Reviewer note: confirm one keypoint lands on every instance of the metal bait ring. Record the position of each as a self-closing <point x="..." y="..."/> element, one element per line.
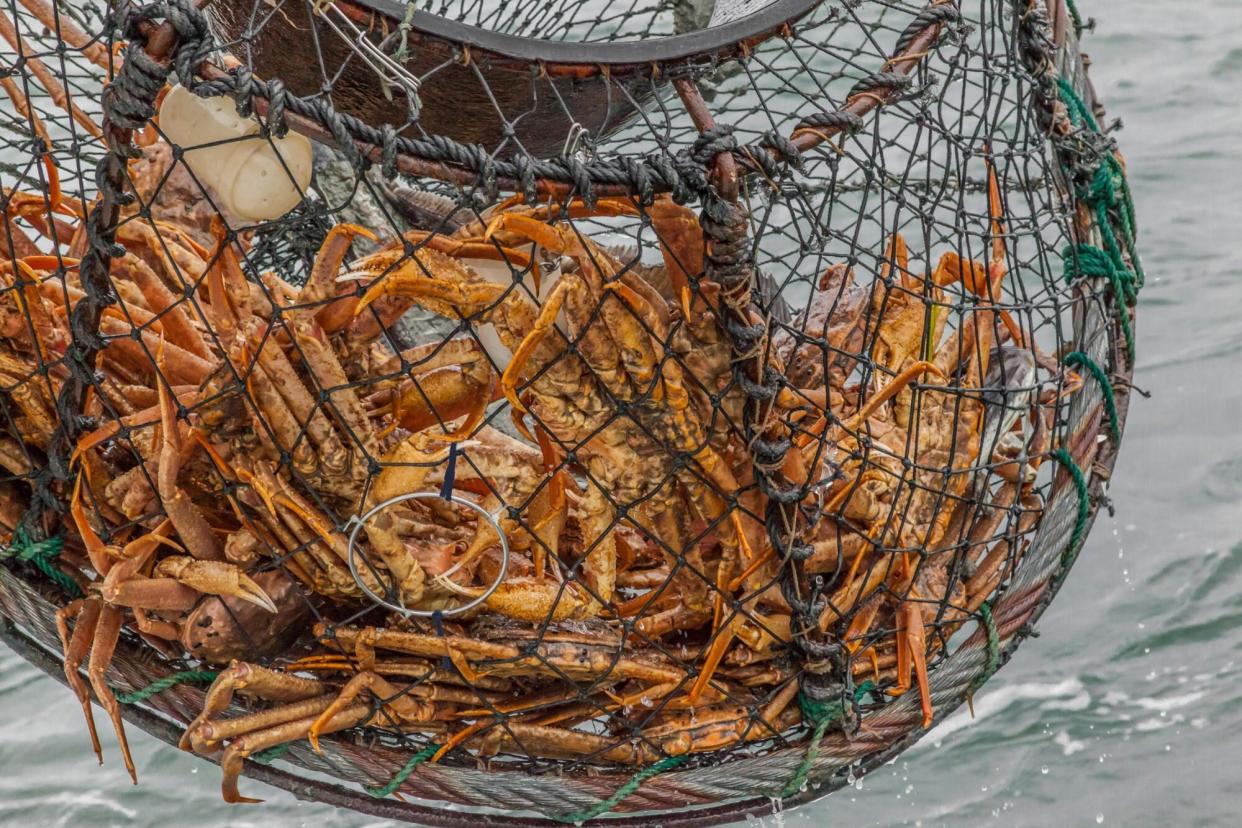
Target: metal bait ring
<point x="356" y="523"/>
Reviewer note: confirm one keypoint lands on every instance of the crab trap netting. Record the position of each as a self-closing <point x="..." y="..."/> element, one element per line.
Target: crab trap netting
<point x="556" y="409"/>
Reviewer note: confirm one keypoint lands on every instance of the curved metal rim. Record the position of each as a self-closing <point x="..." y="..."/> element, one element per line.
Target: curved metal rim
<point x="413" y="812"/>
<point x="337" y="795"/>
<point x="704" y="43"/>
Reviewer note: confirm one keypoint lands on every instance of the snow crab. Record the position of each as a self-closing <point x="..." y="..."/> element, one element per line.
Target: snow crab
<point x="611" y="354"/>
<point x="247" y="418"/>
<point x="548" y="690"/>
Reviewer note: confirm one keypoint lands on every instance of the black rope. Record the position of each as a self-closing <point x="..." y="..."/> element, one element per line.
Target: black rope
<point x="931" y="16"/>
<point x="881" y="81"/>
<point x="681" y="175"/>
<point x="729" y="263"/>
<point x="128" y="103"/>
<point x="842" y="120"/>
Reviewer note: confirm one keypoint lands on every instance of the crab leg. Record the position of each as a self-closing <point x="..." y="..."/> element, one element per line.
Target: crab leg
<point x="107" y="633"/>
<point x="22" y="105"/>
<point x="283" y="401"/>
<point x="556" y="742"/>
<point x="68" y="30"/>
<point x="45" y="76"/>
<point x="431" y="250"/>
<point x="545" y="322"/>
<point x="208" y="737"/>
<point x="122" y="585"/>
<point x="242" y="677"/>
<point x="455" y="379"/>
<point x="321" y="283"/>
<point x="912" y="651"/>
<point x="404" y="708"/>
<point x="215" y="578"/>
<point x="173" y="317"/>
<point x="75" y="648"/>
<point x="240" y="748"/>
<point x="330" y="378"/>
<point x="197" y="535"/>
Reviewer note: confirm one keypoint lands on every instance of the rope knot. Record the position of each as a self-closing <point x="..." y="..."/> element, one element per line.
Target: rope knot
<point x="40" y="555"/>
<point x="886" y="81"/>
<point x="712" y="142"/>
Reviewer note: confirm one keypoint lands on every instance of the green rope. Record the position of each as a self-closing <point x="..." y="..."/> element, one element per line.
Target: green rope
<point x="634" y="783"/>
<point x="400" y="776"/>
<point x="1080" y="115"/>
<point x="1108" y="190"/>
<point x="1078" y="359"/>
<point x="267" y="757"/>
<point x="1085" y="261"/>
<point x="1076" y="17"/>
<point x="403" y="33"/>
<point x="160" y="685"/>
<point x="989" y="626"/>
<point x="40" y="554"/>
<point x="1084" y="504"/>
<point x="823" y="714"/>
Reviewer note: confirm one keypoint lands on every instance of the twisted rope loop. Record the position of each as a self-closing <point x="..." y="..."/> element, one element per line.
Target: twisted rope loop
<point x="40" y="555"/>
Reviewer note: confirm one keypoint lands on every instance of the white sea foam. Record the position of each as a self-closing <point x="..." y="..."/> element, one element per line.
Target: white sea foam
<point x="1171" y="702"/>
<point x="1068" y="745"/>
<point x="1069" y="694"/>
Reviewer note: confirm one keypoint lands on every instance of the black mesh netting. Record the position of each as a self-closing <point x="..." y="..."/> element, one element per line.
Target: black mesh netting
<point x="543" y="402"/>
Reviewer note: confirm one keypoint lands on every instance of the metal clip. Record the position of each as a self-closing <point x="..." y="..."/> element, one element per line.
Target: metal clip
<point x="356" y="523"/>
<point x="576" y="133"/>
<point x="390" y="72"/>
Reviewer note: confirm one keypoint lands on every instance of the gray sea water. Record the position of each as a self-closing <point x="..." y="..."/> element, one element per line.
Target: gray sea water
<point x="1128" y="709"/>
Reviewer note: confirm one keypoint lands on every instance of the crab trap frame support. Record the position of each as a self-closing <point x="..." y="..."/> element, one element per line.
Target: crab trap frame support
<point x="565" y="177"/>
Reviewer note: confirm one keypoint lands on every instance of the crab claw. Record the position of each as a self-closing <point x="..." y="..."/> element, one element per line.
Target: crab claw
<point x="436" y="281"/>
<point x="232" y="763"/>
<point x="215" y="578"/>
<point x="544" y="323"/>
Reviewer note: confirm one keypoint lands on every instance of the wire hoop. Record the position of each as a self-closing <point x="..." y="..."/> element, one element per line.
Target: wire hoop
<point x="356" y="525"/>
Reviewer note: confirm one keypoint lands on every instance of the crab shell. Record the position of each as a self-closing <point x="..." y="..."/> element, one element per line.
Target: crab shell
<point x="221" y="629"/>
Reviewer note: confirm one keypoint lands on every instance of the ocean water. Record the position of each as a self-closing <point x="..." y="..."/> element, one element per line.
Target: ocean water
<point x="1127" y="710"/>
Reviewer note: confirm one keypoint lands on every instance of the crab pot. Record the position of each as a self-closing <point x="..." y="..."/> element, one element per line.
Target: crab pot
<point x="550" y="413"/>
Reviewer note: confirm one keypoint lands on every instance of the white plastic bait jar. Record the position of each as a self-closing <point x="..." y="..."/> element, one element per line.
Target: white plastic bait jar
<point x="255" y="178"/>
